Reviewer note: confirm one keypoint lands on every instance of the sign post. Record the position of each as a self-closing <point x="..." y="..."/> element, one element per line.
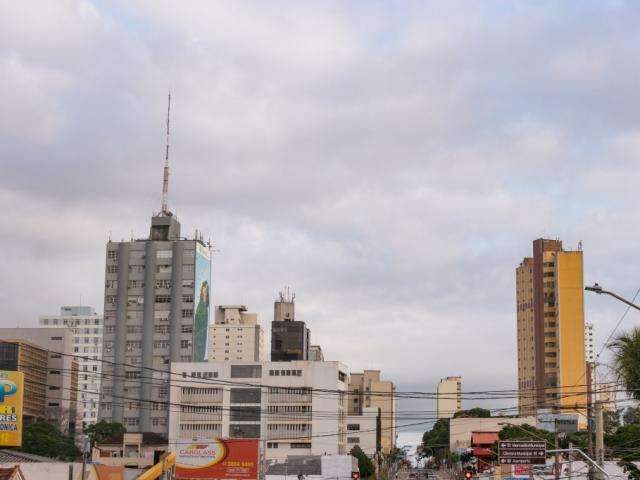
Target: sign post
<point x="522" y="452"/>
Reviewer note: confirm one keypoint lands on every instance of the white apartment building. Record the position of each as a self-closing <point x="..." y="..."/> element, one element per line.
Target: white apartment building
<point x="272" y="401"/>
<point x="235" y="335"/>
<point x="362" y="431"/>
<point x="86" y="326"/>
<point x="589" y="348"/>
<point x="449" y="397"/>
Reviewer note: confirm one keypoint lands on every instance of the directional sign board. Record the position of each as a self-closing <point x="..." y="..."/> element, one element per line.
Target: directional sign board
<point x="522" y="452"/>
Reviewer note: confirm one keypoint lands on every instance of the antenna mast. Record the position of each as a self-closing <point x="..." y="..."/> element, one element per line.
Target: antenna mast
<point x="165" y="176"/>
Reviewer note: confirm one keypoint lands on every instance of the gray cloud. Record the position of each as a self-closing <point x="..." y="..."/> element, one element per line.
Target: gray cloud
<point x="393" y="165"/>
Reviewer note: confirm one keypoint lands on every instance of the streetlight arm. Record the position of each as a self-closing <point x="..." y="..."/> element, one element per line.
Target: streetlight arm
<point x="599" y="290"/>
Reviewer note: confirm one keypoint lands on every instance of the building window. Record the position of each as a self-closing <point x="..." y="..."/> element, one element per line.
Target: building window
<point x="353" y="426"/>
<point x="246" y="371"/>
<point x="187" y="313"/>
<point x="163" y="283"/>
<point x="112" y="254"/>
<point x="112" y="269"/>
<point x="163" y="268"/>
<point x="184" y="343"/>
<point x="300" y="445"/>
<point x="245" y="395"/>
<point x="187" y="298"/>
<point x="164" y="254"/>
<point x="163" y="299"/>
<point x="56" y="338"/>
<point x="186" y="328"/>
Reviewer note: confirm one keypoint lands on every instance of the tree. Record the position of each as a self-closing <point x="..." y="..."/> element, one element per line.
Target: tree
<point x="436" y="441"/>
<point x="626" y="350"/>
<point x="365" y="465"/>
<point x="101" y="431"/>
<point x="473" y="413"/>
<point x="631" y="415"/>
<point x="526" y="432"/>
<point x="42" y="438"/>
<point x="611" y="420"/>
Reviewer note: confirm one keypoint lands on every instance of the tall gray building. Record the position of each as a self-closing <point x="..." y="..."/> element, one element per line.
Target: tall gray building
<point x="156" y="311"/>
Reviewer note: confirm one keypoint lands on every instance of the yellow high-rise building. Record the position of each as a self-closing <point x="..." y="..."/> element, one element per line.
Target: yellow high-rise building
<point x="550" y="317"/>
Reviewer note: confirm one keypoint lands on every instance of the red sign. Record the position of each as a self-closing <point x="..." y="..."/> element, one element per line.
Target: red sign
<point x="521" y="470"/>
<point x="228" y="459"/>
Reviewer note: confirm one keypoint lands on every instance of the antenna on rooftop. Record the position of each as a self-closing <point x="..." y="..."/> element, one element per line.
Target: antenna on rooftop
<point x="165" y="176"/>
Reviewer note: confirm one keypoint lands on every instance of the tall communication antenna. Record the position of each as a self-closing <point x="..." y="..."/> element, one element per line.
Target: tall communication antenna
<point x="165" y="176"/>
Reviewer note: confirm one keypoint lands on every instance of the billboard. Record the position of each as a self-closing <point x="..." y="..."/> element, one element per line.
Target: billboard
<point x="11" y="393"/>
<point x="235" y="459"/>
<point x="202" y="295"/>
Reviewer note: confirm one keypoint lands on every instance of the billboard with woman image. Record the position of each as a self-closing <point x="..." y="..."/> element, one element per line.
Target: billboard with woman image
<point x="202" y="294"/>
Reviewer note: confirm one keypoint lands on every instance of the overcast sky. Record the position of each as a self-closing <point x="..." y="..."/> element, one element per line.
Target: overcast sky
<point x="391" y="161"/>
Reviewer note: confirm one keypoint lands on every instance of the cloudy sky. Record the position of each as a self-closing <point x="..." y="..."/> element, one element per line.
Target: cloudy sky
<point x="391" y="161"/>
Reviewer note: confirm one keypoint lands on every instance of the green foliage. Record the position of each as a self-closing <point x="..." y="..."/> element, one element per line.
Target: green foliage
<point x="631" y="415"/>
<point x="42" y="438"/>
<point x="611" y="421"/>
<point x="101" y="431"/>
<point x="626" y="350"/>
<point x="436" y="441"/>
<point x="526" y="432"/>
<point x="633" y="473"/>
<point x="619" y="442"/>
<point x="473" y="413"/>
<point x="365" y="465"/>
<point x="578" y="439"/>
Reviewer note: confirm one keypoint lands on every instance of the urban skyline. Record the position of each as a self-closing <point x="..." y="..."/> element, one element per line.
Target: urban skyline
<point x="390" y="222"/>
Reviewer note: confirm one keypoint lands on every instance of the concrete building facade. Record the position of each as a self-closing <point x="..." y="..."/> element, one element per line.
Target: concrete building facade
<point x="86" y="326"/>
<point x="61" y="372"/>
<point x="362" y="431"/>
<point x="236" y="335"/>
<point x="290" y="338"/>
<point x="449" y="395"/>
<point x="315" y="353"/>
<point x="367" y="390"/>
<point x="32" y="361"/>
<point x="156" y="311"/>
<point x="554" y="300"/>
<point x="461" y="429"/>
<point x="273" y="401"/>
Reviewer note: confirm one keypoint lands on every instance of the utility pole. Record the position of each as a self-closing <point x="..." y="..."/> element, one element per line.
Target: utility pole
<point x="590" y="375"/>
<point x="379" y="439"/>
<point x="570" y="462"/>
<point x="557" y="447"/>
<point x="599" y="434"/>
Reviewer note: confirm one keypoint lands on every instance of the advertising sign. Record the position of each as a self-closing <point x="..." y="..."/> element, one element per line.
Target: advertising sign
<point x="202" y="295"/>
<point x="522" y="453"/>
<point x="235" y="459"/>
<point x="11" y="393"/>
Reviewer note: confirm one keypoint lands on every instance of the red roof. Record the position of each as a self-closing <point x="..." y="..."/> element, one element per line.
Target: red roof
<point x="482" y="452"/>
<point x="483" y="438"/>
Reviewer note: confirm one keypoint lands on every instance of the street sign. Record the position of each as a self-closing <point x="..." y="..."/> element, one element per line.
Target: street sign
<point x="522" y="452"/>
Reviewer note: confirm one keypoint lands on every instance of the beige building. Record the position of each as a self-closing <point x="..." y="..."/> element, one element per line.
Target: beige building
<point x="62" y="372"/>
<point x="361" y="431"/>
<point x="368" y="390"/>
<point x="449" y="395"/>
<point x="32" y="360"/>
<point x="235" y="336"/>
<point x="551" y="330"/>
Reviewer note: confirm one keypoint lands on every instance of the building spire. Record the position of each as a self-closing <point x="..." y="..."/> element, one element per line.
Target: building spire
<point x="165" y="176"/>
